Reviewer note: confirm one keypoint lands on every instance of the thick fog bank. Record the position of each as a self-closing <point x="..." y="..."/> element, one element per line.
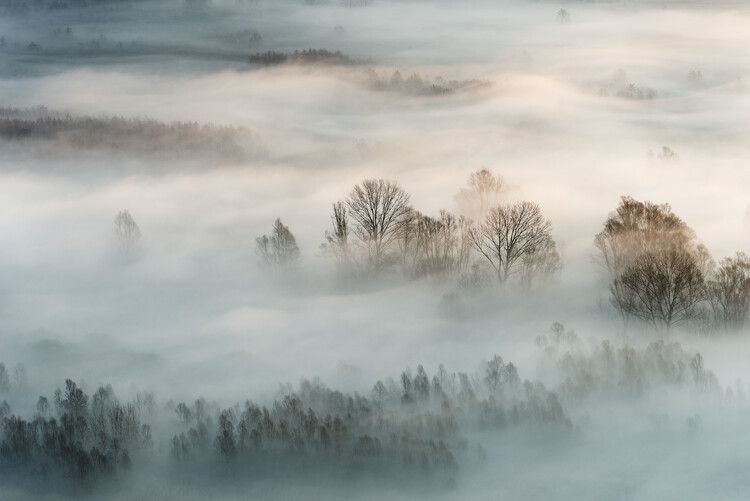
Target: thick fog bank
<point x="252" y="244"/>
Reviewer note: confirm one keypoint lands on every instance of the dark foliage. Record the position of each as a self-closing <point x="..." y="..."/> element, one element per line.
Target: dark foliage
<point x="404" y="429"/>
<point x="88" y="438"/>
<point x="416" y="85"/>
<point x="306" y="56"/>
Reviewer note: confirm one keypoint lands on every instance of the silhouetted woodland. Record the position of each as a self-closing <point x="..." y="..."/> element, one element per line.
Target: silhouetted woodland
<point x="75" y="438"/>
<point x="49" y="130"/>
<point x="306" y="56"/>
<point x="417" y="85"/>
<point x="408" y="427"/>
<point x="608" y="369"/>
<point x="412" y="427"/>
<point x="405" y="428"/>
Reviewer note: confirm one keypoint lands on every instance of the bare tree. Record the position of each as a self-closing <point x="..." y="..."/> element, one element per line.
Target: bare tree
<point x="408" y="241"/>
<point x="377" y="208"/>
<point x="434" y="246"/>
<point x="20" y="376"/>
<point x="483" y="193"/>
<point x="445" y="244"/>
<point x="663" y="287"/>
<point x="4" y="378"/>
<point x="279" y="250"/>
<point x="540" y="266"/>
<point x="337" y="240"/>
<point x="729" y="292"/>
<point x="127" y="230"/>
<point x="511" y="233"/>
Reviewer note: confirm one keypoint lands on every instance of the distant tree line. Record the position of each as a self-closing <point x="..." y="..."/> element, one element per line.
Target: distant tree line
<point x="306" y="56"/>
<point x="129" y="136"/>
<point x="417" y="85"/>
<point x="23" y="7"/>
<point x="346" y="3"/>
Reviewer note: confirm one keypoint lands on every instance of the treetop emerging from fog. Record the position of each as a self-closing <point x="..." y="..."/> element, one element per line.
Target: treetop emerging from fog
<point x="377" y="207"/>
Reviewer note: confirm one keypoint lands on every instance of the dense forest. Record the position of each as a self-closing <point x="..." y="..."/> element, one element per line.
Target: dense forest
<point x="412" y="428"/>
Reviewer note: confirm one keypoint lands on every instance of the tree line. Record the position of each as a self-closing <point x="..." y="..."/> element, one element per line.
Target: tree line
<point x="411" y="427"/>
<point x="416" y="84"/>
<point x="305" y="56"/>
<point x="658" y="272"/>
<point x="74" y="437"/>
<point x="129" y="136"/>
<point x="408" y="428"/>
<point x="375" y="231"/>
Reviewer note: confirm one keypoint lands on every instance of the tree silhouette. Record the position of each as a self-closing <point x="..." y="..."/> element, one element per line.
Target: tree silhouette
<point x="127" y="231"/>
<point x="337" y="243"/>
<point x="729" y="292"/>
<point x="279" y="250"/>
<point x="511" y="233"/>
<point x="484" y="192"/>
<point x="377" y="208"/>
<point x="663" y="287"/>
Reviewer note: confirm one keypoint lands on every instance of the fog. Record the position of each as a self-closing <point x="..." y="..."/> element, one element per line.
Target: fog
<point x="208" y="120"/>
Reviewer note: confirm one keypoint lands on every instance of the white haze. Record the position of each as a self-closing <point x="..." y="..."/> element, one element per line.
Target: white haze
<point x="194" y="315"/>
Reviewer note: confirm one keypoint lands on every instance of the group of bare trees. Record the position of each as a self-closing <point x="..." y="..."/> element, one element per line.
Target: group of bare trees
<point x="658" y="272"/>
<point x="376" y="230"/>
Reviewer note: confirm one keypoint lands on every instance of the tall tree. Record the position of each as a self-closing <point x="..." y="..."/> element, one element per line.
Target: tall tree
<point x="511" y="233"/>
<point x="441" y="245"/>
<point x="663" y="287"/>
<point x="484" y="192"/>
<point x="377" y="208"/>
<point x="279" y="250"/>
<point x="337" y="239"/>
<point x="729" y="291"/>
